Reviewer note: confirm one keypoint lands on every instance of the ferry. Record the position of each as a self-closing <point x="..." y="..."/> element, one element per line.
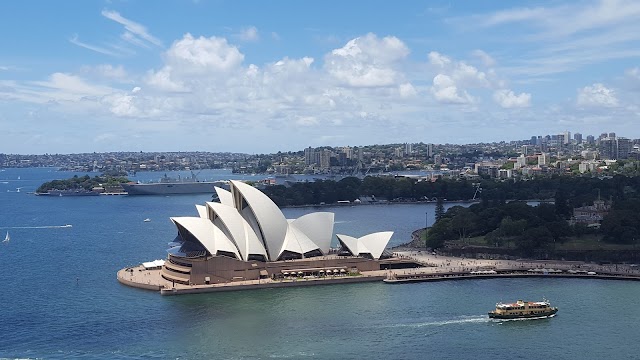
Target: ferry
<point x="523" y="310"/>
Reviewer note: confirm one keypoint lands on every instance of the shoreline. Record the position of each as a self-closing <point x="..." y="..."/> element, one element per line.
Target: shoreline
<point x="435" y="268"/>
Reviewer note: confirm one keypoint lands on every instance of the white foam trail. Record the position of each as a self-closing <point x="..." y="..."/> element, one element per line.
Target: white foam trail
<point x="37" y="227"/>
<point x="466" y="320"/>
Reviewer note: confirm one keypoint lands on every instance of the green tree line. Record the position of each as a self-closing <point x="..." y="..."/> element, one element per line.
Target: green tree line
<point x="81" y="182"/>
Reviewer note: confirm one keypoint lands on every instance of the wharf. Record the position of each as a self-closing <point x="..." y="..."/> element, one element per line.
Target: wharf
<point x="410" y="278"/>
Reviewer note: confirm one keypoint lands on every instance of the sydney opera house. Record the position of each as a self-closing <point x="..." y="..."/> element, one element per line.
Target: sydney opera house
<point x="245" y="236"/>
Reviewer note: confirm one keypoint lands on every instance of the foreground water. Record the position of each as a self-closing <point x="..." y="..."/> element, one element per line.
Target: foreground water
<point x="60" y="297"/>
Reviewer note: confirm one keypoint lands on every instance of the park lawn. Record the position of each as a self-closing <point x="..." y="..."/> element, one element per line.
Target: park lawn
<point x="590" y="242"/>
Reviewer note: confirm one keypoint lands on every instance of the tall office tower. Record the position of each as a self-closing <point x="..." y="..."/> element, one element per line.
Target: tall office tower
<point x="612" y="135"/>
<point x="309" y="156"/>
<point x="560" y="138"/>
<point x="591" y="139"/>
<point x="567" y="137"/>
<point x="521" y="161"/>
<point x="408" y="148"/>
<point x="325" y="159"/>
<point x="543" y="159"/>
<point x="429" y="151"/>
<point x="603" y="136"/>
<point x="533" y="141"/>
<point x="527" y="150"/>
<point x="608" y="148"/>
<point x="359" y="154"/>
<point x="437" y="159"/>
<point x="578" y="138"/>
<point x="348" y="152"/>
<point x="624" y="147"/>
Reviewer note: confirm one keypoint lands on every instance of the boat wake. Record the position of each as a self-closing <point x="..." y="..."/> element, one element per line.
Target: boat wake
<point x="38" y="227"/>
<point x="462" y="320"/>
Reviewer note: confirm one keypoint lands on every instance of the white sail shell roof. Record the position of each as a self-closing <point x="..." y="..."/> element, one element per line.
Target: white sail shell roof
<point x="202" y="211"/>
<point x="238" y="228"/>
<point x="262" y="213"/>
<point x="210" y="236"/>
<point x="225" y="196"/>
<point x="248" y="225"/>
<point x="350" y="242"/>
<point x="373" y="244"/>
<point x="297" y="242"/>
<point x="318" y="227"/>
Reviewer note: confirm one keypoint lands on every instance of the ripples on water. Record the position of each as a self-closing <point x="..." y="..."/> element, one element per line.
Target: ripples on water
<point x="61" y="299"/>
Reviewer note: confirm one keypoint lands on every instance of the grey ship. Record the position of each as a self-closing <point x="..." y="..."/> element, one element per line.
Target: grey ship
<point x="169" y="186"/>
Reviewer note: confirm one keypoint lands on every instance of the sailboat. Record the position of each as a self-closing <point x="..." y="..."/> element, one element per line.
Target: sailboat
<point x="6" y="238"/>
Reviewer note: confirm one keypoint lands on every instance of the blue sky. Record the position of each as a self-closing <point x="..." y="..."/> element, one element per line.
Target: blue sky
<point x="265" y="76"/>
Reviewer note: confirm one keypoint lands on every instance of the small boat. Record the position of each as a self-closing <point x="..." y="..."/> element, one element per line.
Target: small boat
<point x="147" y="220"/>
<point x="6" y="238"/>
<point x="523" y="310"/>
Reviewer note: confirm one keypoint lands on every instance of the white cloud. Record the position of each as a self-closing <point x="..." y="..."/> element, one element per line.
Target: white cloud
<point x="134" y="40"/>
<point x="507" y="99"/>
<point x="74" y="40"/>
<point x="367" y="61"/>
<point x="597" y="95"/>
<point x="445" y="90"/>
<point x="435" y="58"/>
<point x="203" y="55"/>
<point x="249" y="34"/>
<point x="562" y="36"/>
<point x="132" y="27"/>
<point x="407" y="90"/>
<point x="486" y="59"/>
<point x="71" y="87"/>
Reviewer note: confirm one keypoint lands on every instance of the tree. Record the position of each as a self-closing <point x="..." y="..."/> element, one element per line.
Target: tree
<point x="439" y="209"/>
<point x="561" y="204"/>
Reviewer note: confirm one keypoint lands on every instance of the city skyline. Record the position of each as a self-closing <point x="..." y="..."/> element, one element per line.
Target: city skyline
<point x="256" y="77"/>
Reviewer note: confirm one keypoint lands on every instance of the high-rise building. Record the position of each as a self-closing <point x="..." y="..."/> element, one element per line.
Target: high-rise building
<point x="408" y="148"/>
<point x="578" y="138"/>
<point x="398" y="152"/>
<point x="325" y="159"/>
<point x="612" y="135"/>
<point x="521" y="161"/>
<point x="543" y="159"/>
<point x="533" y="141"/>
<point x="309" y="156"/>
<point x="608" y="148"/>
<point x="566" y="137"/>
<point x="527" y="150"/>
<point x="348" y="152"/>
<point x="591" y="139"/>
<point x="624" y="148"/>
<point x="429" y="151"/>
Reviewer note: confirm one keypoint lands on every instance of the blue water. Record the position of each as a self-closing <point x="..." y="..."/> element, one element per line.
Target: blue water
<point x="60" y="297"/>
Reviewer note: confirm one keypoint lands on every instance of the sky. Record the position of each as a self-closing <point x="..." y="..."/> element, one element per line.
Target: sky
<point x="267" y="76"/>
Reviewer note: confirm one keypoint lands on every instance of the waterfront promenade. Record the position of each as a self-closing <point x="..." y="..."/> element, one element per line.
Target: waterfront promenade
<point x="435" y="268"/>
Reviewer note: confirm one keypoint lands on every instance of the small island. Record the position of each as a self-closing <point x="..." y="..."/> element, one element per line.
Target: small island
<point x="83" y="186"/>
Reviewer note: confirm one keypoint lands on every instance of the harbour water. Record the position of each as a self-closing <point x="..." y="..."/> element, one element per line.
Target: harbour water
<point x="61" y="299"/>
